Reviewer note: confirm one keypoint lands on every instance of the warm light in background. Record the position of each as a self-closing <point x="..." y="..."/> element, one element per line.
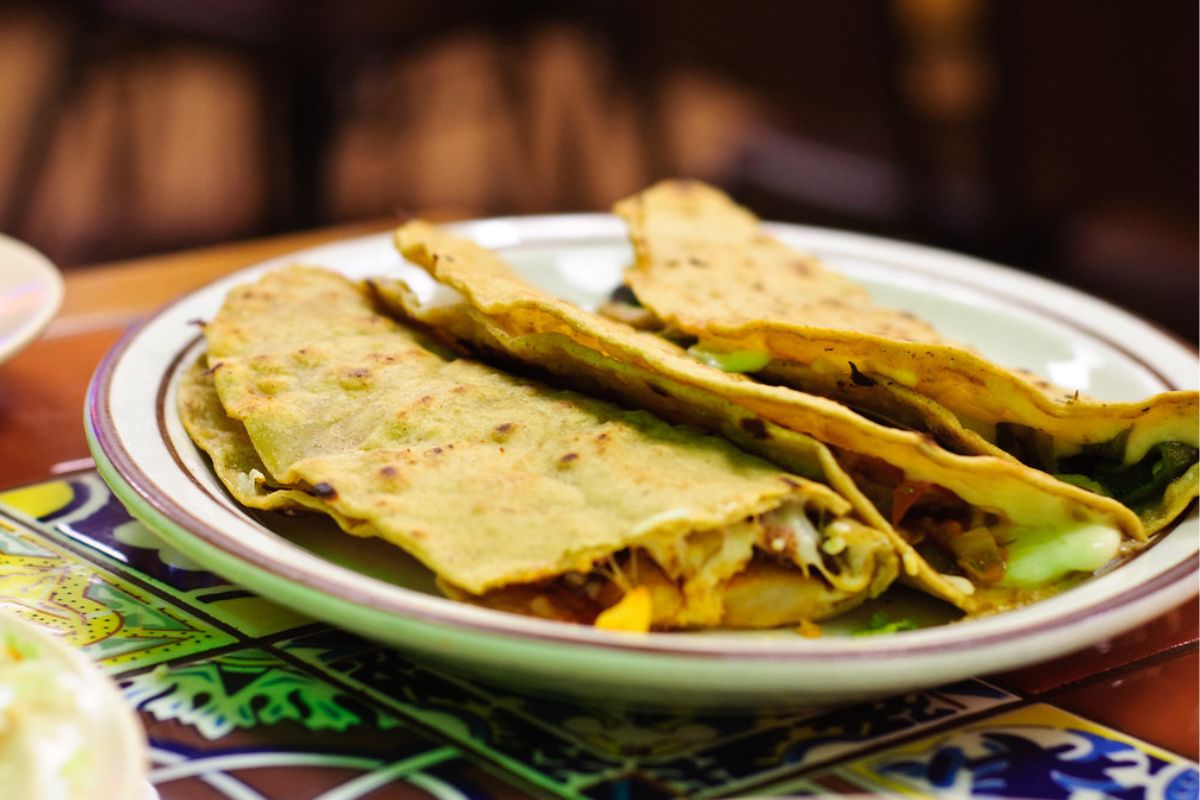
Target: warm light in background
<point x="977" y="125"/>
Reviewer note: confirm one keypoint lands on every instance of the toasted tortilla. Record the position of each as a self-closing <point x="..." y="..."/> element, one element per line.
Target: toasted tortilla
<point x="502" y="316"/>
<point x="516" y="495"/>
<point x="235" y="461"/>
<point x="705" y="268"/>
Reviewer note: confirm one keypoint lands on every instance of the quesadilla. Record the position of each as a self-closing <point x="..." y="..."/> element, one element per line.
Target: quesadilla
<point x="981" y="532"/>
<point x="234" y="459"/>
<point x="518" y="496"/>
<point x="706" y="273"/>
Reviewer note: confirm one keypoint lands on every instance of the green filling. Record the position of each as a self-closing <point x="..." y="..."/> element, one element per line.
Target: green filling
<point x="1027" y="444"/>
<point x="879" y="624"/>
<point x="731" y="360"/>
<point x="1100" y="469"/>
<point x="1083" y="482"/>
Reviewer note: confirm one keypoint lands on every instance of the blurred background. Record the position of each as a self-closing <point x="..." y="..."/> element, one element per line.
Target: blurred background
<point x="1059" y="137"/>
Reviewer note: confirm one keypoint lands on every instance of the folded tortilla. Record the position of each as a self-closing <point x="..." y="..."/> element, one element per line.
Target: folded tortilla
<point x="984" y="533"/>
<point x="706" y="271"/>
<point x="516" y="495"/>
<point x="234" y="459"/>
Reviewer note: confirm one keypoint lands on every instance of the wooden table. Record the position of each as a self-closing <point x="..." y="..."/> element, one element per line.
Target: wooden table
<point x="1143" y="684"/>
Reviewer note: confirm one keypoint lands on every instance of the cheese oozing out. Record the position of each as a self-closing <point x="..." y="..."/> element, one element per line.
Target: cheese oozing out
<point x="1044" y="555"/>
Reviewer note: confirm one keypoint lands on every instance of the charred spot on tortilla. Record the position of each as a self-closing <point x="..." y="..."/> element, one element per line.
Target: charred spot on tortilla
<point x="754" y="427"/>
<point x="624" y="294"/>
<point x="857" y="378"/>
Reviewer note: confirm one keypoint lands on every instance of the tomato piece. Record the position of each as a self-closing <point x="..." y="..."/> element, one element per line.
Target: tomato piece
<point x="905" y="496"/>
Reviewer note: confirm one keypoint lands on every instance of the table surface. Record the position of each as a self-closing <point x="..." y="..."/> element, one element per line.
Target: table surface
<point x="446" y="737"/>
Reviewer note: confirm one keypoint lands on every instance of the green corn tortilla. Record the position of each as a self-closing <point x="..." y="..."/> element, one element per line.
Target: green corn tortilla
<point x="516" y="495"/>
<point x="912" y="485"/>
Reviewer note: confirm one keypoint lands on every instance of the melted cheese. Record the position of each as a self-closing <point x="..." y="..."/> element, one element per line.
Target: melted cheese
<point x="730" y="360"/>
<point x="1042" y="556"/>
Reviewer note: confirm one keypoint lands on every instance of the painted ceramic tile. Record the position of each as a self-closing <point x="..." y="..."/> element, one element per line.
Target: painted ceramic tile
<point x="622" y="733"/>
<point x="1034" y="752"/>
<point x="606" y="751"/>
<point x="772" y="753"/>
<point x="248" y="723"/>
<point x="481" y="719"/>
<point x="636" y="786"/>
<point x="116" y="623"/>
<point x="40" y="499"/>
<point x="474" y="782"/>
<point x="83" y="510"/>
<point x="663" y="737"/>
<point x="824" y="784"/>
<point x="643" y="786"/>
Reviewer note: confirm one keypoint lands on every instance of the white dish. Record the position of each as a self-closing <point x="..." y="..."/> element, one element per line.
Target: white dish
<point x="31" y="291"/>
<point x="1018" y="319"/>
<point x="67" y="732"/>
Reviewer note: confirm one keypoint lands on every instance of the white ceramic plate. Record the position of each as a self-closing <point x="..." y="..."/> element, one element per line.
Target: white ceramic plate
<point x="81" y="715"/>
<point x="144" y="453"/>
<point x="31" y="291"/>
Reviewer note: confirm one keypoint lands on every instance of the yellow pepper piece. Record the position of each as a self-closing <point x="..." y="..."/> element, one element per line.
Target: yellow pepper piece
<point x="809" y="629"/>
<point x="631" y="613"/>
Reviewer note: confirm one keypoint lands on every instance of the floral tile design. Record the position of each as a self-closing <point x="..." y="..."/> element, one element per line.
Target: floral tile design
<point x="1034" y="752"/>
<point x="247" y="721"/>
<point x="771" y="749"/>
<point x="636" y="786"/>
<point x="459" y="710"/>
<point x="602" y="752"/>
<point x="118" y="624"/>
<point x="825" y="784"/>
<point x="83" y="511"/>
